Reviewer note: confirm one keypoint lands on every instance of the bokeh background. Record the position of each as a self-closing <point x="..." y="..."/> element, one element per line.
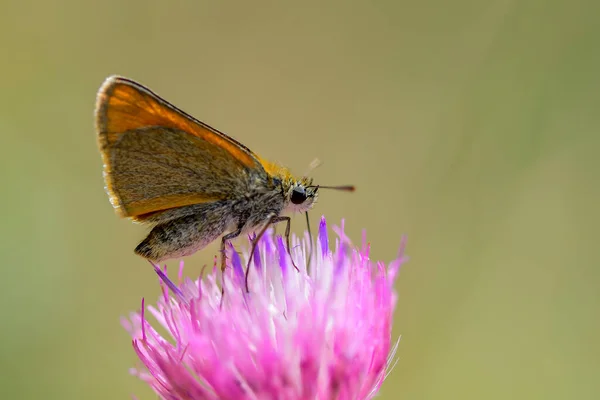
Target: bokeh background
<point x="471" y="126"/>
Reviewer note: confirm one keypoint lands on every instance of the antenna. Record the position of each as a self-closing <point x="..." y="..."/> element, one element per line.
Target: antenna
<point x="344" y="188"/>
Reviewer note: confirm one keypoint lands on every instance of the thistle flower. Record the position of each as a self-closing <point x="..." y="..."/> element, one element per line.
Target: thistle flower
<point x="318" y="334"/>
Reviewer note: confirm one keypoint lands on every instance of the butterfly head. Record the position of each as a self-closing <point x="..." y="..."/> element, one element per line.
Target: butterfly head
<point x="300" y="194"/>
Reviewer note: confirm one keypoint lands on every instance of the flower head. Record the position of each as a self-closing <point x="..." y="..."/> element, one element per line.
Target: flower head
<point x="318" y="334"/>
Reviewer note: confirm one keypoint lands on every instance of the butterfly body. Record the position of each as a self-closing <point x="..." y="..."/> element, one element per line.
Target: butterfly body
<point x="183" y="231"/>
<point x="189" y="182"/>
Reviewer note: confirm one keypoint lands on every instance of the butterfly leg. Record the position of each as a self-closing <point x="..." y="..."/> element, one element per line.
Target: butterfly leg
<point x="254" y="244"/>
<point x="288" y="221"/>
<point x="224" y="241"/>
<point x="272" y="221"/>
<point x="310" y="243"/>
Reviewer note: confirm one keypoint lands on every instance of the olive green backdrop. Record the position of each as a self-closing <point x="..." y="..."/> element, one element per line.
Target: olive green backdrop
<point x="471" y="126"/>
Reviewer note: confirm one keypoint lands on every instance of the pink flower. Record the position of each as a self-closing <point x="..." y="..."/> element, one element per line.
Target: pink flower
<point x="321" y="334"/>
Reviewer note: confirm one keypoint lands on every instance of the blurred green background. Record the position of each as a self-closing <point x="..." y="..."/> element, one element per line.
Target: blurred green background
<point x="471" y="126"/>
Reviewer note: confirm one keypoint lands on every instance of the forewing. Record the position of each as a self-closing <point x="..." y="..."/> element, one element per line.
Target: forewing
<point x="157" y="157"/>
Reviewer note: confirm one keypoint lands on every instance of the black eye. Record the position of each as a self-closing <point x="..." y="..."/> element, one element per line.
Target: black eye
<point x="298" y="195"/>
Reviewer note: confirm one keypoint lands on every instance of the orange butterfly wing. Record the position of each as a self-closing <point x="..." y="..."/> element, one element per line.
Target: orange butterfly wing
<point x="157" y="157"/>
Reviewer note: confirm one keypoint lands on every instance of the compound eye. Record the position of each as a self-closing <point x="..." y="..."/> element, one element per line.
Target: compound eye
<point x="298" y="195"/>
